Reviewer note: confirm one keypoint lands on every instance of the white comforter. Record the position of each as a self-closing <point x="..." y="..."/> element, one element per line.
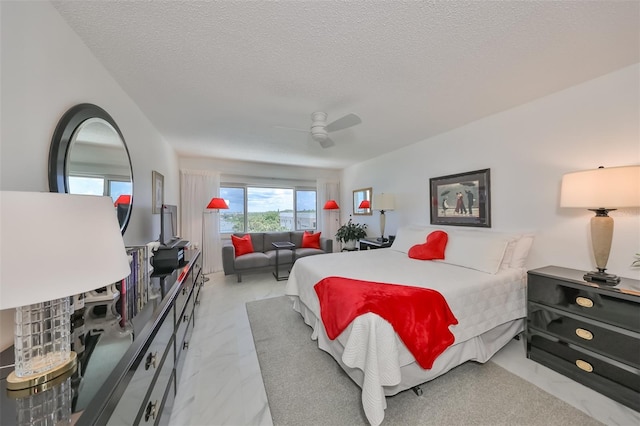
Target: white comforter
<point x="479" y="301"/>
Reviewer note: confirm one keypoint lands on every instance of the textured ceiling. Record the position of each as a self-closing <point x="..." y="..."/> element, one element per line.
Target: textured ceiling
<point x="221" y="78"/>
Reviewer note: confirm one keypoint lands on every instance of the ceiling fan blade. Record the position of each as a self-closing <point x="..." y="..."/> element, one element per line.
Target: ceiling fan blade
<point x="326" y="143"/>
<point x="344" y="122"/>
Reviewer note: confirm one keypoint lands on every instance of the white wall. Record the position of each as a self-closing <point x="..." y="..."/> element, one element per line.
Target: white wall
<point x="45" y="70"/>
<point x="528" y="149"/>
<point x="258" y="170"/>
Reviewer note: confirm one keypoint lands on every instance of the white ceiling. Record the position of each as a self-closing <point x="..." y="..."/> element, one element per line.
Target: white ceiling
<point x="217" y="78"/>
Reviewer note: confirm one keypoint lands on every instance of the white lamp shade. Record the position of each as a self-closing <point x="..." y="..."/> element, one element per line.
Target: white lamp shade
<point x="384" y="202"/>
<point x="607" y="188"/>
<point x="57" y="245"/>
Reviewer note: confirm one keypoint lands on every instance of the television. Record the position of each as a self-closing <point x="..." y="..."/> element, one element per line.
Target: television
<point x="168" y="224"/>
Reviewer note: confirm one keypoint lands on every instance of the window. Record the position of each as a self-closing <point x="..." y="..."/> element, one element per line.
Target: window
<point x="232" y="219"/>
<point x="262" y="209"/>
<point x="305" y="209"/>
<point x="89" y="185"/>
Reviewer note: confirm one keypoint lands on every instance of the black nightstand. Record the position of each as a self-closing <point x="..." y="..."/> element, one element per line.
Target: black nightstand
<point x="372" y="243"/>
<point x="586" y="331"/>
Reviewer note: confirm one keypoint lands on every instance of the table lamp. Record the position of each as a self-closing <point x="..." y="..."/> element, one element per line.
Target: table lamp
<point x="53" y="246"/>
<point x="364" y="204"/>
<point x="383" y="202"/>
<point x="215" y="204"/>
<point x="601" y="191"/>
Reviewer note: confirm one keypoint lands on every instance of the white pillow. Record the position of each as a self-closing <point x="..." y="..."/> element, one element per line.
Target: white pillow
<point x="480" y="251"/>
<point x="521" y="251"/>
<point x="409" y="236"/>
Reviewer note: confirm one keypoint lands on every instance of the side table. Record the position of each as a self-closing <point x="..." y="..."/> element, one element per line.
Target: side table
<point x="372" y="243"/>
<point x="283" y="245"/>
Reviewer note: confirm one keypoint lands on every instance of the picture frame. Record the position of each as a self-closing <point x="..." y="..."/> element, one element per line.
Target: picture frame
<point x="360" y="195"/>
<point x="463" y="199"/>
<point x="157" y="185"/>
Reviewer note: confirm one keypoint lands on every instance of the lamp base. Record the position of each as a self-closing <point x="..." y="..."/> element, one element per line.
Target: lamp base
<point x="382" y="239"/>
<point x="601" y="277"/>
<point x="15" y="383"/>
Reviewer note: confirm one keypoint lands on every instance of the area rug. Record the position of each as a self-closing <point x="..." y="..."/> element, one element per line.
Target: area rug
<point x="306" y="386"/>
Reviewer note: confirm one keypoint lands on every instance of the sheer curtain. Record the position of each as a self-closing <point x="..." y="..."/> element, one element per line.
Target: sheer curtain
<point x="330" y="218"/>
<point x="197" y="188"/>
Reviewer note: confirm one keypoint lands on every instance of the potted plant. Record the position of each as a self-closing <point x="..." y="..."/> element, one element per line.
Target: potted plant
<point x="350" y="233"/>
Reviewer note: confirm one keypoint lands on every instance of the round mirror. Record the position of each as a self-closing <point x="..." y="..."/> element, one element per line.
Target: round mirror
<point x="89" y="156"/>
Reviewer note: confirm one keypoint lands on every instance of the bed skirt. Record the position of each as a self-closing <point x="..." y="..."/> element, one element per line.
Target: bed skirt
<point x="480" y="349"/>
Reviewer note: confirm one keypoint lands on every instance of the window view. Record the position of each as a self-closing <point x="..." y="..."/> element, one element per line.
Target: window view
<point x="232" y="219"/>
<point x="267" y="209"/>
<point x="96" y="186"/>
<point x="86" y="185"/>
<point x="305" y="210"/>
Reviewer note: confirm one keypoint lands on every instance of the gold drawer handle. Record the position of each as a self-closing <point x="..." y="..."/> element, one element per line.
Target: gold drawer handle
<point x="584" y="302"/>
<point x="584" y="365"/>
<point x="584" y="334"/>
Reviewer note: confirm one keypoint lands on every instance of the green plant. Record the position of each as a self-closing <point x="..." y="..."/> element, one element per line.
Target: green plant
<point x="351" y="231"/>
<point x="636" y="263"/>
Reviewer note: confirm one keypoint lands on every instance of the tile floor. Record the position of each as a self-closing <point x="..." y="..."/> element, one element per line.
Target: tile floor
<point x="221" y="382"/>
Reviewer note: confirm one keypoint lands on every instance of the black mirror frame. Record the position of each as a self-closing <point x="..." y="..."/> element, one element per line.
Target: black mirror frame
<point x="61" y="142"/>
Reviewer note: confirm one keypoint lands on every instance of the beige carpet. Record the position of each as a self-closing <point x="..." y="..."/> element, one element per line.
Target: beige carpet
<point x="305" y="386"/>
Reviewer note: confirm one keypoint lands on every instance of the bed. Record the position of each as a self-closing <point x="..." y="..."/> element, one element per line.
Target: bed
<point x="482" y="279"/>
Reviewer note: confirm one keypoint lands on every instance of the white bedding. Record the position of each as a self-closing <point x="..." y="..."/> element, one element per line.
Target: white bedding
<point x="482" y="303"/>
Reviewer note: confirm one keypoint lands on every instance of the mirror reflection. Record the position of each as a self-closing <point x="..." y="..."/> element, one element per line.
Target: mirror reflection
<point x="89" y="156"/>
<point x="362" y="202"/>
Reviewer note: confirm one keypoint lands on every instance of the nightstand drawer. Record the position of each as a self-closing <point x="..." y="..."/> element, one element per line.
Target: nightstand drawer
<point x="582" y="301"/>
<point x="584" y="365"/>
<point x="613" y="390"/>
<point x="608" y="342"/>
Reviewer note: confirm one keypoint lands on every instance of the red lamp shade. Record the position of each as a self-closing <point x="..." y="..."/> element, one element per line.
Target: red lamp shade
<point x="331" y="205"/>
<point x="123" y="199"/>
<point x="217" y="203"/>
<point x="365" y="204"/>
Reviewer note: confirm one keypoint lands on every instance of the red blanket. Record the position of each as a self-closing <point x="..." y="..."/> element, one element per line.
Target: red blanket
<point x="420" y="316"/>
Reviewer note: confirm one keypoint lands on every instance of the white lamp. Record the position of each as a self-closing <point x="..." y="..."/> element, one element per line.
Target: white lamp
<point x="383" y="202"/>
<point x="215" y="204"/>
<point x="53" y="246"/>
<point x="602" y="190"/>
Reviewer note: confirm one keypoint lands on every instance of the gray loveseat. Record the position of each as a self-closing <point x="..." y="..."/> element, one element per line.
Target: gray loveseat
<point x="264" y="256"/>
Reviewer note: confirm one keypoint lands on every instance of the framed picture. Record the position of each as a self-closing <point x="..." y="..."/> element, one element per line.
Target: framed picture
<point x="461" y="200"/>
<point x="157" y="181"/>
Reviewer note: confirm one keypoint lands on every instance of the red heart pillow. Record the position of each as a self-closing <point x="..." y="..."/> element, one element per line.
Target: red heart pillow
<point x="243" y="245"/>
<point x="432" y="249"/>
<point x="310" y="240"/>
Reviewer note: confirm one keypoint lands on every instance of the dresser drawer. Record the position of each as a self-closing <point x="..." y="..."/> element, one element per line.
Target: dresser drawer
<point x="584" y="301"/>
<point x="183" y="320"/>
<point x="584" y="365"/>
<point x="154" y="406"/>
<point x="144" y="372"/>
<point x="181" y="349"/>
<point x="606" y="341"/>
<point x="183" y="296"/>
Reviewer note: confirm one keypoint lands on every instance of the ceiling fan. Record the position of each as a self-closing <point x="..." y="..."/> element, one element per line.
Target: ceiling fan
<point x="320" y="129"/>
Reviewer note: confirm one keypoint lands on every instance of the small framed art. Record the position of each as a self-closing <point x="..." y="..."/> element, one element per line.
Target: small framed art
<point x="463" y="199"/>
<point x="157" y="181"/>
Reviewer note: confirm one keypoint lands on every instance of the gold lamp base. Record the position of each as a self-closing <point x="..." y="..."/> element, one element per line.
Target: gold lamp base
<point x="41" y="381"/>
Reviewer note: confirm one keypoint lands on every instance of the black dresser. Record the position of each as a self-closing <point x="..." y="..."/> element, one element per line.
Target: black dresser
<point x="586" y="331"/>
<point x="128" y="371"/>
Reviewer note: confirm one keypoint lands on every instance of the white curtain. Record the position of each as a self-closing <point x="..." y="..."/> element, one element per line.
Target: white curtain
<point x="197" y="188"/>
<point x="330" y="219"/>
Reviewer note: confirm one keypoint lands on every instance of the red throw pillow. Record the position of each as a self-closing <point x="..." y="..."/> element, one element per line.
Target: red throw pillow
<point x="432" y="249"/>
<point x="243" y="245"/>
<point x="310" y="240"/>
